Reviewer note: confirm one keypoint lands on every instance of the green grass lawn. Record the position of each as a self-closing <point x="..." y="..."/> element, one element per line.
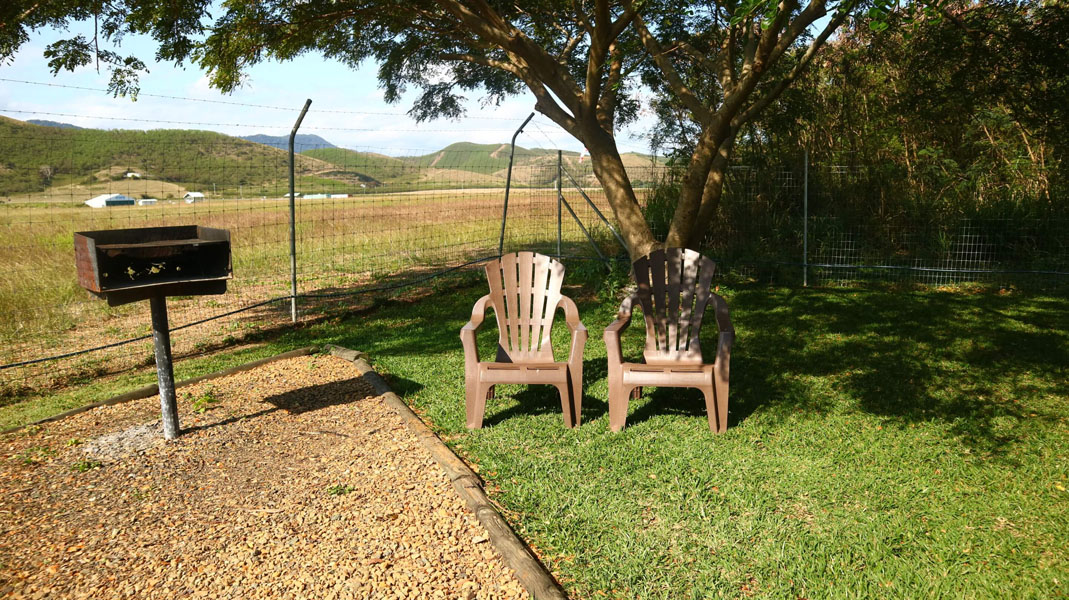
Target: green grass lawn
<point x="897" y="444"/>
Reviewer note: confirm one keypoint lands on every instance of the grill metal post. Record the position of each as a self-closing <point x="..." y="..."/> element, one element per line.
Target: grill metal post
<point x="161" y="340"/>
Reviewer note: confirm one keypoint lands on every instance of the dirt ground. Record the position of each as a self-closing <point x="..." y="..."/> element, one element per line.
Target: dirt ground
<point x="289" y="481"/>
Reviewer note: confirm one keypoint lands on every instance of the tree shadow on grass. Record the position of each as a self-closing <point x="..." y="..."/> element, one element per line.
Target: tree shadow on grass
<point x="430" y="326"/>
<point x="961" y="359"/>
<point x="402" y="386"/>
<point x="911" y="357"/>
<point x="683" y="402"/>
<point x="532" y="400"/>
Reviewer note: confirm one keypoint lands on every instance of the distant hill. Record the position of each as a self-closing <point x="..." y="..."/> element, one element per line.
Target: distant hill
<point x="301" y="141"/>
<point x="469" y="164"/>
<point x="368" y="167"/>
<point x="463" y="164"/>
<point x="192" y="159"/>
<point x="46" y="123"/>
<point x="164" y="163"/>
<point x="467" y="156"/>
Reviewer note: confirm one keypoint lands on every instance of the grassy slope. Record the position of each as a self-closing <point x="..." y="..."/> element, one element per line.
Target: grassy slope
<point x="86" y="161"/>
<point x="199" y="158"/>
<point x="881" y="445"/>
<point x="377" y="166"/>
<point x="461" y="165"/>
<point x="481" y="158"/>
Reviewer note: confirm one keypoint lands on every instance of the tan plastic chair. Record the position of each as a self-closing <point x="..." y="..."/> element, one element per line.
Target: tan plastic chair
<point x="673" y="290"/>
<point x="525" y="295"/>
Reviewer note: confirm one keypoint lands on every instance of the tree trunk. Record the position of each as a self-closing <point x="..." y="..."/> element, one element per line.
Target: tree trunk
<point x="711" y="145"/>
<point x="610" y="171"/>
<point x="712" y="192"/>
<point x="690" y="197"/>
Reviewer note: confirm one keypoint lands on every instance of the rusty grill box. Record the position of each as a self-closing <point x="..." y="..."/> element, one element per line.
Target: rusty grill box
<point x="127" y="265"/>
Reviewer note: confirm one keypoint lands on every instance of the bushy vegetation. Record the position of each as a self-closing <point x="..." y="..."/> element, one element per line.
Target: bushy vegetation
<point x="943" y="115"/>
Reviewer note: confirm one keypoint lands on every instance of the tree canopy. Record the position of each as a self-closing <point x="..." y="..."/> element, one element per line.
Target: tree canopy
<point x="718" y="63"/>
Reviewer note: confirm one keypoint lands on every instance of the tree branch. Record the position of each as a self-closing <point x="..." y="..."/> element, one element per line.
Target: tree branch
<point x="606" y="109"/>
<point x="535" y="62"/>
<point x="701" y="113"/>
<point x="781" y="86"/>
<point x="815" y="10"/>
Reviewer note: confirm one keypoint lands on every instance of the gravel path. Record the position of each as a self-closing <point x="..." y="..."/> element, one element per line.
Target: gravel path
<point x="289" y="481"/>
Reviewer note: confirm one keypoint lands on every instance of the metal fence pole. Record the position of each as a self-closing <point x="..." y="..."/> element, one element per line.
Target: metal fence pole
<point x="560" y="195"/>
<point x="293" y="217"/>
<point x="805" y="219"/>
<point x="590" y="239"/>
<point x="597" y="211"/>
<point x="508" y="184"/>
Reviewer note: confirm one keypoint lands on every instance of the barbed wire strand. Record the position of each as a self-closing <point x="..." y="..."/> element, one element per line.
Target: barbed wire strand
<point x="248" y="125"/>
<point x="290" y="109"/>
<point x="356" y="292"/>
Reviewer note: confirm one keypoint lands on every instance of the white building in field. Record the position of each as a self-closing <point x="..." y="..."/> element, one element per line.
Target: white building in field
<point x="147" y="201"/>
<point x="192" y="197"/>
<point x="104" y="200"/>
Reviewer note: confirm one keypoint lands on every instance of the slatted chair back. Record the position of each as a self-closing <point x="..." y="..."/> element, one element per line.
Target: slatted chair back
<point x="673" y="288"/>
<point x="524" y="291"/>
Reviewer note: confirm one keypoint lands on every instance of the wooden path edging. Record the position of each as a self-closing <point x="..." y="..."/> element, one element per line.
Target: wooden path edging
<point x="153" y="389"/>
<point x="531" y="573"/>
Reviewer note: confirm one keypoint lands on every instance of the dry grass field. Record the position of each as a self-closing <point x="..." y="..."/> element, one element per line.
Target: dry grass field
<point x="341" y="243"/>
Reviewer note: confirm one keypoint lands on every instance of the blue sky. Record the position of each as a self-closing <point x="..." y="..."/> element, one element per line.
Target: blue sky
<point x="367" y="123"/>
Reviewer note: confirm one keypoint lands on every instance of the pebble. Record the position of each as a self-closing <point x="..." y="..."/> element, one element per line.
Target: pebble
<point x="298" y="482"/>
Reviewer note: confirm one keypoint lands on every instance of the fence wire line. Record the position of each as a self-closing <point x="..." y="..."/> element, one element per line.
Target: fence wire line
<point x="369" y="221"/>
<point x="357" y="292"/>
<point x="249" y="125"/>
<point x="142" y="338"/>
<point x="289" y="109"/>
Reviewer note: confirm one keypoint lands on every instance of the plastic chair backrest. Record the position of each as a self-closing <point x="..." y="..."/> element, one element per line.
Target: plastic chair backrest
<point x="524" y="291"/>
<point x="673" y="289"/>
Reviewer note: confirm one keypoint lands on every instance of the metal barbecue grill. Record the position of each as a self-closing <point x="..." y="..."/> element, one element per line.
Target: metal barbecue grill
<point x="151" y="263"/>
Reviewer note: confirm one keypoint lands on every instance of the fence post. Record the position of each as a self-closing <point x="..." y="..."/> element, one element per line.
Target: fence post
<point x="805" y="219"/>
<point x="293" y="217"/>
<point x="590" y="239"/>
<point x="508" y="185"/>
<point x="560" y="194"/>
<point x="597" y="211"/>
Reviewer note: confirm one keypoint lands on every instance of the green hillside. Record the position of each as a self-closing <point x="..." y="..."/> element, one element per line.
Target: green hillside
<point x="79" y="163"/>
<point x="34" y="157"/>
<point x="367" y="166"/>
<point x="480" y="158"/>
<point x="483" y="159"/>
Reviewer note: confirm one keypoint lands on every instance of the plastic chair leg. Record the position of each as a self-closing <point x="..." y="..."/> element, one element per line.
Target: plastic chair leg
<point x="475" y="403"/>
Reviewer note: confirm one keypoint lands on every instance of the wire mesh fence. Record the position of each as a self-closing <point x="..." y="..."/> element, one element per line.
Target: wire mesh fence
<point x="368" y="219"/>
